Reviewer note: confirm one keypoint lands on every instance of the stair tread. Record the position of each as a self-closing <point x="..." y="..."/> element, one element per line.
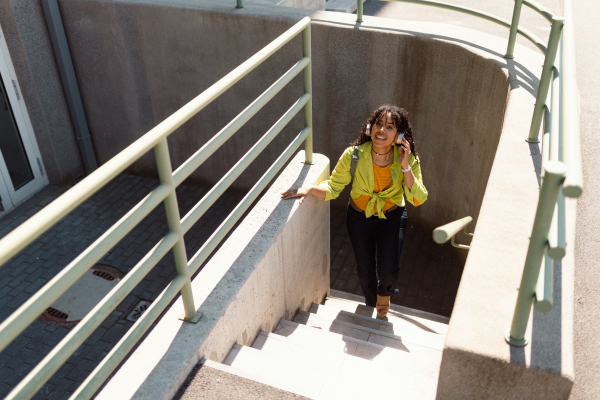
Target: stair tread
<point x="339" y="377"/>
<point x="250" y="375"/>
<point x="393" y="318"/>
<point x="404" y="324"/>
<point x="339" y="295"/>
<point x="426" y="345"/>
<point x="323" y="341"/>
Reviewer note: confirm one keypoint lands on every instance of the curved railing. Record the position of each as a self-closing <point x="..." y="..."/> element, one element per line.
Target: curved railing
<point x="156" y="140"/>
<point x="557" y="104"/>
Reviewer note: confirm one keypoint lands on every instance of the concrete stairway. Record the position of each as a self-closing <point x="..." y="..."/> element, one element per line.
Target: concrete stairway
<point x="339" y="351"/>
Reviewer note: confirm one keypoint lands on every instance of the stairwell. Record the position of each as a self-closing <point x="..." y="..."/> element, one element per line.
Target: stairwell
<point x="338" y="350"/>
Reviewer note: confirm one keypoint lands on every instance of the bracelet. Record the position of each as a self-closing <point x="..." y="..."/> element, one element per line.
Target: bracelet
<point x="407" y="169"/>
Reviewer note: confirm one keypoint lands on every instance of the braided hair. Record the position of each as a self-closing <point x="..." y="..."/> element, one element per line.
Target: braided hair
<point x="400" y="118"/>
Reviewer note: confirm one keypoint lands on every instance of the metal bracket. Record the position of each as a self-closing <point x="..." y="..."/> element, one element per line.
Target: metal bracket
<point x="308" y="163"/>
<point x="193" y="320"/>
<point x="461" y="246"/>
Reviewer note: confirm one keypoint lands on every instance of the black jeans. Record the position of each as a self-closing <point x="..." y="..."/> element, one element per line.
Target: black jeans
<point x="377" y="244"/>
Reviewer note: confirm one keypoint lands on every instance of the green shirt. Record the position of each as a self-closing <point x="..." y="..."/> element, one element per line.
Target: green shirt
<point x="364" y="180"/>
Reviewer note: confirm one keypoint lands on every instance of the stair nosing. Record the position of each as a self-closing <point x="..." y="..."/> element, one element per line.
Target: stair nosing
<point x="372" y="331"/>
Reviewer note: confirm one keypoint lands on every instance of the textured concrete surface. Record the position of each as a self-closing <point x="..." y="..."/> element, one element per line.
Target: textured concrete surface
<point x="206" y="383"/>
<point x="486" y="295"/>
<point x="276" y="262"/>
<point x="30" y="49"/>
<point x="306" y="4"/>
<point x="587" y="240"/>
<point x="455" y="92"/>
<point x="26" y="273"/>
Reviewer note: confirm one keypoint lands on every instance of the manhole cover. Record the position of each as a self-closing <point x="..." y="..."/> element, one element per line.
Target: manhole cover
<point x="138" y="310"/>
<point x="57" y="318"/>
<point x="82" y="296"/>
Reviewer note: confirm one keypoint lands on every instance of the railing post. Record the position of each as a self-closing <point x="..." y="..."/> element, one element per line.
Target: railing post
<point x="514" y="27"/>
<point x="359" y="10"/>
<point x="165" y="173"/>
<point x="554" y="175"/>
<point x="308" y="120"/>
<point x="540" y="100"/>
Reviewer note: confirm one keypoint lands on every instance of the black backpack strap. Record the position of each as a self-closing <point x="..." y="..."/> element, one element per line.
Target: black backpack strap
<point x="354" y="162"/>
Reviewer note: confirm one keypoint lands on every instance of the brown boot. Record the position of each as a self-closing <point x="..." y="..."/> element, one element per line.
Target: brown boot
<point x="383" y="305"/>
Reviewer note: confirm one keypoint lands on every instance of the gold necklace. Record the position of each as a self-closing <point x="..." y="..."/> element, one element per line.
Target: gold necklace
<point x="383" y="153"/>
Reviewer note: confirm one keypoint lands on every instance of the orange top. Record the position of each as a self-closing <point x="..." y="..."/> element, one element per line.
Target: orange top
<point x="383" y="180"/>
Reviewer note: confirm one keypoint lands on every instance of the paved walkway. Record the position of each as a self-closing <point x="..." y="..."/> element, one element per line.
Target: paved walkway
<point x="42" y="260"/>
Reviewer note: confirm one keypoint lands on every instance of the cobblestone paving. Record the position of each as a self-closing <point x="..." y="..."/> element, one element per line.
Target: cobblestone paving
<point x="42" y="260"/>
<point x="429" y="272"/>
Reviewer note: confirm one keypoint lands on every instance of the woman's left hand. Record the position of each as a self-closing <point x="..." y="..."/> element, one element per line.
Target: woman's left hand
<point x="405" y="156"/>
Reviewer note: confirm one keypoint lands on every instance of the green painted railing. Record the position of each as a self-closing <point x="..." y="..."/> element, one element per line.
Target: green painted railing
<point x="557" y="103"/>
<point x="447" y="232"/>
<point x="155" y="139"/>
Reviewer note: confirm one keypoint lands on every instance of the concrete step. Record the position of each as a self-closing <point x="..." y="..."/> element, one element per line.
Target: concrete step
<point x="428" y="346"/>
<point x="421" y="319"/>
<point x="327" y="375"/>
<point x="215" y="385"/>
<point x="408" y="333"/>
<point x="345" y="6"/>
<point x="325" y="341"/>
<point x="339" y="295"/>
<point x="398" y="326"/>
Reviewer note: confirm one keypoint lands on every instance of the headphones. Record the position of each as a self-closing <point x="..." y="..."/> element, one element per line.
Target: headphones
<point x="398" y="138"/>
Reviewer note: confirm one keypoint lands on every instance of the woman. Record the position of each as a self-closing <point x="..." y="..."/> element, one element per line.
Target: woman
<point x="388" y="169"/>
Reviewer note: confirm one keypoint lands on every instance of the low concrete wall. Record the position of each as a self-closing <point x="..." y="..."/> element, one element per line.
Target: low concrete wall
<point x="274" y="263"/>
<point x="137" y="62"/>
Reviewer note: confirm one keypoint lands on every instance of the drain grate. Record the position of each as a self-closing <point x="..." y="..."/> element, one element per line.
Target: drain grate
<point x="107" y="272"/>
<point x="52" y="316"/>
<point x="104" y="275"/>
<point x="138" y="310"/>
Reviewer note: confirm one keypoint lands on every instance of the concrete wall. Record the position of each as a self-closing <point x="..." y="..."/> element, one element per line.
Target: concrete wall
<point x="276" y="262"/>
<point x="137" y="63"/>
<point x="30" y="49"/>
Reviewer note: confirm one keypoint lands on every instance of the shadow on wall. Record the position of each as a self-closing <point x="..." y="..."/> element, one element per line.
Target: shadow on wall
<point x="155" y="58"/>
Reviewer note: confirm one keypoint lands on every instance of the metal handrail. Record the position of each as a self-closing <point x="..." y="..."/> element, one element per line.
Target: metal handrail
<point x="470" y="11"/>
<point x="562" y="172"/>
<point x="155" y="139"/>
<point x="447" y="232"/>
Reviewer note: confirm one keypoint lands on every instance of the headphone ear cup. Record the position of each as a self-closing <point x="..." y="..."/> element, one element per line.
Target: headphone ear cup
<point x="399" y="138"/>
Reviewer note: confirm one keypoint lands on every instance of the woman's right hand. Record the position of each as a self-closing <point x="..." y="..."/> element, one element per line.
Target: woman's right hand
<point x="301" y="192"/>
